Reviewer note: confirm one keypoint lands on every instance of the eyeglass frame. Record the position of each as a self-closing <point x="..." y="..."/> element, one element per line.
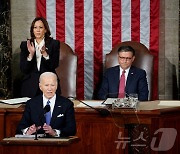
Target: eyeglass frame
<point x="125" y="58"/>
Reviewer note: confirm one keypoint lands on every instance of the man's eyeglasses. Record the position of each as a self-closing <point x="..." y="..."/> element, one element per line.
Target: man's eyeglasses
<point x="125" y="58"/>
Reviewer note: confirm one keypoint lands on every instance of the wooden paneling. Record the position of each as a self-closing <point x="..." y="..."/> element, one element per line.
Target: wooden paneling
<point x="101" y="134"/>
<point x="2" y="123"/>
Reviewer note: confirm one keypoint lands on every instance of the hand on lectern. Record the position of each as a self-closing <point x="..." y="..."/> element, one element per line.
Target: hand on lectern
<point x="48" y="130"/>
<point x="32" y="129"/>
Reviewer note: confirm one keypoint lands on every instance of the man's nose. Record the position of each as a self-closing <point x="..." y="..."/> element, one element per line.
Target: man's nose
<point x="49" y="88"/>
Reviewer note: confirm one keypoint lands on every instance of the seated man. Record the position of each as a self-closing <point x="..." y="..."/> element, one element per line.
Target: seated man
<point x="124" y="79"/>
<point x="58" y="120"/>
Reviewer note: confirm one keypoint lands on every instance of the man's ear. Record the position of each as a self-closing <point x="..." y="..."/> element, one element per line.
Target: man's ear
<point x="40" y="86"/>
<point x="133" y="58"/>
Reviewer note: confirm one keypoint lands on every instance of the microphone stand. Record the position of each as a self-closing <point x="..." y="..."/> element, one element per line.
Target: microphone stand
<point x="36" y="134"/>
<point x="102" y="112"/>
<point x="45" y="110"/>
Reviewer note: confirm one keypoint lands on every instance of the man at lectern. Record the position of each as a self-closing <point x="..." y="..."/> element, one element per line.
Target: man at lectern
<point x="48" y="113"/>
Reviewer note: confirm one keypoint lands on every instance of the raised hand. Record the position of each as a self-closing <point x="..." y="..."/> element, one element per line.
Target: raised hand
<point x="43" y="51"/>
<point x="31" y="48"/>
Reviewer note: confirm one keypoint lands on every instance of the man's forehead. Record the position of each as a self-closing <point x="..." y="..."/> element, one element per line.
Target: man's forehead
<point x="48" y="80"/>
<point x="125" y="53"/>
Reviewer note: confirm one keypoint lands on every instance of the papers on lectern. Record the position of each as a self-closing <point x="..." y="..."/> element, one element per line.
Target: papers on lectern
<point x="28" y="136"/>
<point x="15" y="101"/>
<point x="109" y="101"/>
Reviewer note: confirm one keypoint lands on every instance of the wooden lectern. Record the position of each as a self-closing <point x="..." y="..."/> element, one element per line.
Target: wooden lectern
<point x="42" y="145"/>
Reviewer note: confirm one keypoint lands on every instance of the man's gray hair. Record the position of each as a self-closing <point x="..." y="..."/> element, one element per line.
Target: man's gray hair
<point x="47" y="74"/>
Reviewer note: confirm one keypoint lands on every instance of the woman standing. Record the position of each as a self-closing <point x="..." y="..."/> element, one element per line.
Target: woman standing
<point x="38" y="55"/>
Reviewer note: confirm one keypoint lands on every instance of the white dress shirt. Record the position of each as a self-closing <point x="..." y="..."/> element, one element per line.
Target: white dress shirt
<point x="38" y="48"/>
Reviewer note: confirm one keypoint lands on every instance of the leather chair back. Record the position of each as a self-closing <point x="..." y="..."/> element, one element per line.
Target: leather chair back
<point x="143" y="60"/>
<point x="67" y="70"/>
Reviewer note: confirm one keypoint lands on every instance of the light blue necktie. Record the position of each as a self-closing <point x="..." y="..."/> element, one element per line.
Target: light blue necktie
<point x="48" y="114"/>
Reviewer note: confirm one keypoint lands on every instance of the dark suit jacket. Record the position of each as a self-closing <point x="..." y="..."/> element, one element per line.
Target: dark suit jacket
<point x="30" y="83"/>
<point x="136" y="83"/>
<point x="34" y="114"/>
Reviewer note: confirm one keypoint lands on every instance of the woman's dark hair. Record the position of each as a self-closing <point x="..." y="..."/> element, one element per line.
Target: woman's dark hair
<point x="126" y="49"/>
<point x="47" y="34"/>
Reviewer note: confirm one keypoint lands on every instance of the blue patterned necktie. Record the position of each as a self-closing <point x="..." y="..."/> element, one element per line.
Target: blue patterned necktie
<point x="48" y="114"/>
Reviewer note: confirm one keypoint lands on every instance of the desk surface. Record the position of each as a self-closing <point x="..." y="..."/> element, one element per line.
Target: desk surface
<point x="144" y="108"/>
<point x="147" y="105"/>
<point x="2" y="105"/>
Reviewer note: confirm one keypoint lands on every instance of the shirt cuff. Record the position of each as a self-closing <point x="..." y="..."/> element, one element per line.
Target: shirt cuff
<point x="58" y="132"/>
<point x="47" y="57"/>
<point x="24" y="130"/>
<point x="29" y="58"/>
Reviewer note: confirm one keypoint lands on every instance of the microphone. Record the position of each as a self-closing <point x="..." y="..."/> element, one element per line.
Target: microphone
<point x="45" y="110"/>
<point x="103" y="112"/>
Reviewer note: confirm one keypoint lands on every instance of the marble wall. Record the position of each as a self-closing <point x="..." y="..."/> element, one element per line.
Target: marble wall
<point x="5" y="50"/>
<point x="23" y="12"/>
<point x="169" y="50"/>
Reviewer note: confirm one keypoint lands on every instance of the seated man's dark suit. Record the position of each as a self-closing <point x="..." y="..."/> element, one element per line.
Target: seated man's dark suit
<point x="136" y="83"/>
<point x="63" y="117"/>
